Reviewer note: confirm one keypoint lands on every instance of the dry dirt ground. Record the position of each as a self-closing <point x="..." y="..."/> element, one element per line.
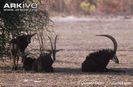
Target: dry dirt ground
<point x="77" y="39"/>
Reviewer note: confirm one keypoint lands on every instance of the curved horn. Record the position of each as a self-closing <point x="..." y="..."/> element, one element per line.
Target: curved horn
<point x="113" y="40"/>
<point x="54" y="51"/>
<point x="53" y="47"/>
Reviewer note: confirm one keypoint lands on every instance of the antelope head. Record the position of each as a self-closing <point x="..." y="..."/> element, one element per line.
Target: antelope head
<point x="114" y="57"/>
<point x="29" y="37"/>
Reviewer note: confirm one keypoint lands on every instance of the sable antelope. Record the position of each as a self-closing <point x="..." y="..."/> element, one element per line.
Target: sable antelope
<point x="97" y="61"/>
<point x="18" y="46"/>
<point x="45" y="61"/>
<point x="28" y="62"/>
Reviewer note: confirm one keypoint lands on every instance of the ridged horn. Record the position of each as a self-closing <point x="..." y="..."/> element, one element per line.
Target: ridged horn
<point x="53" y="47"/>
<point x="113" y="40"/>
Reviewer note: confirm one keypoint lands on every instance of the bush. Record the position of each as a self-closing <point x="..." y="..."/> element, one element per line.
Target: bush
<point x="14" y="23"/>
<point x="87" y="7"/>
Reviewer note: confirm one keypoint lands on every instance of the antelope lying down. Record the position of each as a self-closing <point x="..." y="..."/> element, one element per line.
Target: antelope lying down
<point x="44" y="62"/>
<point x="97" y="61"/>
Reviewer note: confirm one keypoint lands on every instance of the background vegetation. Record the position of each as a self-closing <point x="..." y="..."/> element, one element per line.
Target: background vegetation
<point x="83" y="7"/>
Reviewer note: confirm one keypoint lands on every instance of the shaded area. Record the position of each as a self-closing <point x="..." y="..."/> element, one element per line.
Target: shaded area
<point x="118" y="71"/>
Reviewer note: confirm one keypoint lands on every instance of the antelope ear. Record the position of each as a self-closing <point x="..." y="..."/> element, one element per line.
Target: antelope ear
<point x="58" y="50"/>
<point x="48" y="50"/>
<point x="32" y="34"/>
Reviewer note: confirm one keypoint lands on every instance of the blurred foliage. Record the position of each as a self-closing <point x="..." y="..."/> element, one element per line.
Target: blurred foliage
<point x="88" y="7"/>
<point x="85" y="6"/>
<point x="91" y="6"/>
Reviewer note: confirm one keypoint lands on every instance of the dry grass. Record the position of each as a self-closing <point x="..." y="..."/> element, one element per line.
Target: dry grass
<point x="78" y="40"/>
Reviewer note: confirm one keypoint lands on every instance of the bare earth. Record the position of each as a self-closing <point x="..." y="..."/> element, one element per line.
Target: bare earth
<point x="77" y="39"/>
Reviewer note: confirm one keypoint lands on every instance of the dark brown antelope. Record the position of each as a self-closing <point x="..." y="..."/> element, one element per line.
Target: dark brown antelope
<point x="28" y="62"/>
<point x="17" y="47"/>
<point x="45" y="61"/>
<point x="97" y="61"/>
